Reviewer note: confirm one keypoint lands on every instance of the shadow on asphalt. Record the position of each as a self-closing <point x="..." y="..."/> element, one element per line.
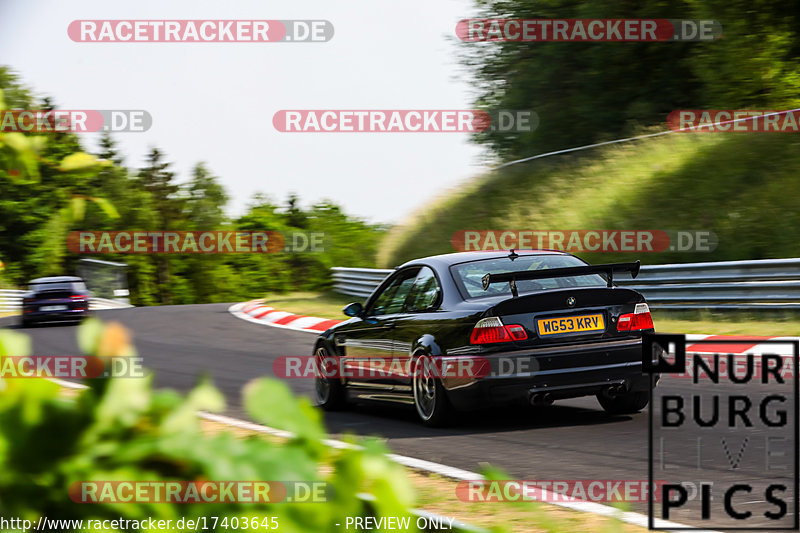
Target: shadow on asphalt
<point x="397" y="421"/>
<point x="17" y="325"/>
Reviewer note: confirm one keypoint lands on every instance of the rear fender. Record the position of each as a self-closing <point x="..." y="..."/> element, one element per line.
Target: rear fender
<point x="426" y="345"/>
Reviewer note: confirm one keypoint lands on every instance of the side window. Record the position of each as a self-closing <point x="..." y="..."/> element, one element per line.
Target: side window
<point x="393" y="297"/>
<point x="425" y="292"/>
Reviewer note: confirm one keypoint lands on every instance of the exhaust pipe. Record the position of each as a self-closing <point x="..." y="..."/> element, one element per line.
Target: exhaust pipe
<point x="612" y="391"/>
<point x="541" y="398"/>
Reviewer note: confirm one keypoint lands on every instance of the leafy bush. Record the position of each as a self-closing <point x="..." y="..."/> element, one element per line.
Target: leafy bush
<point x="121" y="429"/>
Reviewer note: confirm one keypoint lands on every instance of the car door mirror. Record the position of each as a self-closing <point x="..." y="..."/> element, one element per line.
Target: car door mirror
<point x="354" y="309"/>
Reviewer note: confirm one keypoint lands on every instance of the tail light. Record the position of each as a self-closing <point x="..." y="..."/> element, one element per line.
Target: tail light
<point x="638" y="320"/>
<point x="490" y="330"/>
<point x="78" y="297"/>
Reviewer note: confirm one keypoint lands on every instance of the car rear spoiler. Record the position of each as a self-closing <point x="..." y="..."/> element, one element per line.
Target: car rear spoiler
<point x="546" y="273"/>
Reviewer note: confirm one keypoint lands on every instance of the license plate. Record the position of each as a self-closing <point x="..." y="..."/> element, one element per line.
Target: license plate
<point x="571" y="324"/>
<point x="53" y="308"/>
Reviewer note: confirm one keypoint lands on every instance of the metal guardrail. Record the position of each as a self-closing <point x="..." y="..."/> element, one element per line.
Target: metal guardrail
<point x="762" y="284"/>
<point x="358" y="281"/>
<point x="11" y="300"/>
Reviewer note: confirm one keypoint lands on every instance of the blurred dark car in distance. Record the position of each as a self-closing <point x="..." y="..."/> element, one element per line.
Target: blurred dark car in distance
<point x="55" y="299"/>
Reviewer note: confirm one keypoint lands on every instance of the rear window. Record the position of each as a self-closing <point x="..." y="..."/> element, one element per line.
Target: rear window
<point x="468" y="276"/>
<point x="61" y="286"/>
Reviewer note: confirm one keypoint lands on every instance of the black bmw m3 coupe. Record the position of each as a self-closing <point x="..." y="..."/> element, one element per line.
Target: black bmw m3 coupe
<point x="467" y="330"/>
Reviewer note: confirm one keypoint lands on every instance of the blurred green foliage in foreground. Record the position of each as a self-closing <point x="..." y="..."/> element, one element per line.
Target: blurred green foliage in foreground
<point x="120" y="429"/>
<point x="50" y="186"/>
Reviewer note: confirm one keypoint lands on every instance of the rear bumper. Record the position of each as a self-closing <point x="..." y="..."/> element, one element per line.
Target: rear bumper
<point x="563" y="372"/>
<point x="54" y="316"/>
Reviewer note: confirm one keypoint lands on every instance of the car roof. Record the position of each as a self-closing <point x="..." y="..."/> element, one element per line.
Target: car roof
<point x="56" y="279"/>
<point x="446" y="260"/>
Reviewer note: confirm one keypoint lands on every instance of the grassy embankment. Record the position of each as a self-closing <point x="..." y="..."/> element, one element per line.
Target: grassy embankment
<point x="743" y="187"/>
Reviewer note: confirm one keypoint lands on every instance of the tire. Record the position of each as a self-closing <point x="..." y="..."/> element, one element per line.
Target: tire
<point x="331" y="394"/>
<point x="631" y="402"/>
<point x="430" y="398"/>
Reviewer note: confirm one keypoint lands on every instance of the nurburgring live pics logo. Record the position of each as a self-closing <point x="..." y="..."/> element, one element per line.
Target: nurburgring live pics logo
<point x="738" y="428"/>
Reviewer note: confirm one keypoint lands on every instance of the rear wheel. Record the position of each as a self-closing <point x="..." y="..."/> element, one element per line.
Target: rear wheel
<point x="331" y="394"/>
<point x="430" y="398"/>
<point x="630" y="402"/>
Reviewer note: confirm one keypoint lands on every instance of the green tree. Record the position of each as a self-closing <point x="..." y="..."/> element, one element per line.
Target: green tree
<point x="158" y="181"/>
<point x="45" y="180"/>
<point x="590" y="92"/>
<point x="206" y="198"/>
<point x="208" y="276"/>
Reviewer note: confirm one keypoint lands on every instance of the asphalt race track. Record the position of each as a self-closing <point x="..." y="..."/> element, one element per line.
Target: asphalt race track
<point x="570" y="440"/>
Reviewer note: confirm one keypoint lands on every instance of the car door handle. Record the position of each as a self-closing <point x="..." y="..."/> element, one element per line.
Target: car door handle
<point x="390" y="325"/>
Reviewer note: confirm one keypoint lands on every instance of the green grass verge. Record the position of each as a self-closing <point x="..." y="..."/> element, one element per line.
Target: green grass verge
<point x="437" y="494"/>
<point x="743" y="187"/>
<point x="728" y="323"/>
<point x="321" y="304"/>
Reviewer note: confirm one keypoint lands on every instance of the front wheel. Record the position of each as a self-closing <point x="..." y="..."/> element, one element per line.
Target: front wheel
<point x="631" y="402"/>
<point x="331" y="394"/>
<point x="430" y="398"/>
